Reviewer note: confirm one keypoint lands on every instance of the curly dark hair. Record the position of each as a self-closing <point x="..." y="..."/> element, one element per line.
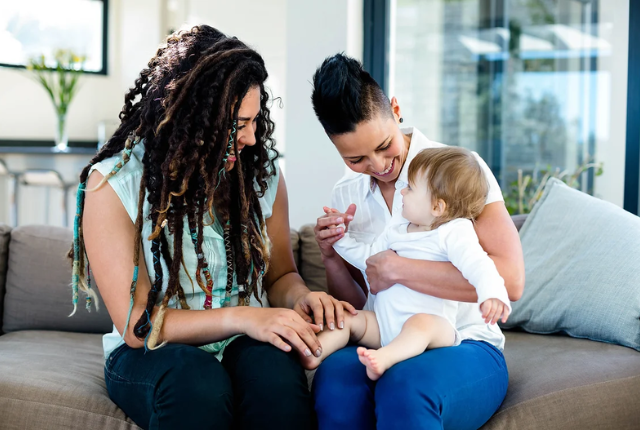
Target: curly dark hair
<point x="184" y="107"/>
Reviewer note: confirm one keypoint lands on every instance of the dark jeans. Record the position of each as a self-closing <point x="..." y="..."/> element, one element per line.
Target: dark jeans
<point x="453" y="388"/>
<point x="256" y="386"/>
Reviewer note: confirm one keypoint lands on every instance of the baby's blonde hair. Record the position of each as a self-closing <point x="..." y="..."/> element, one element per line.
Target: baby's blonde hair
<point x="454" y="175"/>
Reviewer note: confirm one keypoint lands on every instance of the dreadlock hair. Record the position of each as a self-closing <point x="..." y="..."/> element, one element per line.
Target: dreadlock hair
<point x="184" y="106"/>
<point x="344" y="95"/>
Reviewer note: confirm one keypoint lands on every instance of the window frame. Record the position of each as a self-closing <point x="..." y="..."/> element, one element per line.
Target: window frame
<point x="105" y="44"/>
<point x="376" y="26"/>
<point x="632" y="152"/>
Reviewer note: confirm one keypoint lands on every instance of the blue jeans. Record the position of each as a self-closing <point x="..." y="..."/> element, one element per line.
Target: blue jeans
<point x="256" y="386"/>
<point x="455" y="388"/>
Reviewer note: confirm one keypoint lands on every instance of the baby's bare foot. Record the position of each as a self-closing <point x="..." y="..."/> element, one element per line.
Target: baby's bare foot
<point x="373" y="361"/>
<point x="309" y="362"/>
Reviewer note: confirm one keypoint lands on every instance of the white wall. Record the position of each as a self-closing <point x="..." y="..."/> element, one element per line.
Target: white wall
<point x="315" y="30"/>
<point x="259" y="24"/>
<point x="610" y="186"/>
<point x="293" y="36"/>
<point x="26" y="111"/>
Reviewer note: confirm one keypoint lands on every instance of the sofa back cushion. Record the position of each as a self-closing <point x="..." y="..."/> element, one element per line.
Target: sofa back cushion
<point x="5" y="237"/>
<point x="38" y="291"/>
<point x="518" y="220"/>
<point x="311" y="268"/>
<point x="295" y="246"/>
<point x="581" y="259"/>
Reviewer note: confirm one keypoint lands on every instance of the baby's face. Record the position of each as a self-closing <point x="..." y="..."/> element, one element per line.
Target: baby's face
<point x="417" y="205"/>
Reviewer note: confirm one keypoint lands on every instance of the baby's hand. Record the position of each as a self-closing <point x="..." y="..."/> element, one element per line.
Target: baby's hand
<point x="494" y="310"/>
<point x="329" y="211"/>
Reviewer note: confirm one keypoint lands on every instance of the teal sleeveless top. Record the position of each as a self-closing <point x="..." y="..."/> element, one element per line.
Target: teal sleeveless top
<point x="126" y="184"/>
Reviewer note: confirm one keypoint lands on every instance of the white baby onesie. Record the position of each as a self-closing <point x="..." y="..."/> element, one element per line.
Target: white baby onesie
<point x="455" y="241"/>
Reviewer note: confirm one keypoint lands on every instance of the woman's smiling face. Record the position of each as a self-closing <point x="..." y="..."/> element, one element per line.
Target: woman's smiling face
<point x="246" y="128"/>
<point x="376" y="147"/>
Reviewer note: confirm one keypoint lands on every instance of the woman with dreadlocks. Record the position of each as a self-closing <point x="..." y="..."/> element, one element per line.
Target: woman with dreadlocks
<point x="183" y="217"/>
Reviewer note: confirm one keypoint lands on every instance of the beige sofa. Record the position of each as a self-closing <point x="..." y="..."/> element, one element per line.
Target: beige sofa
<point x="51" y="374"/>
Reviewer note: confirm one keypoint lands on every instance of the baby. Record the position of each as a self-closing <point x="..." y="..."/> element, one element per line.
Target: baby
<point x="447" y="191"/>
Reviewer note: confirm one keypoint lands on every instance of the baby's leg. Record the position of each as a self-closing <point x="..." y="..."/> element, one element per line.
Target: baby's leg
<point x="361" y="328"/>
<point x="419" y="333"/>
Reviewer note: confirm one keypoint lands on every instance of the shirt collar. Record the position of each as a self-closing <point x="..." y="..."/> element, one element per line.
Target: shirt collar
<point x="418" y="142"/>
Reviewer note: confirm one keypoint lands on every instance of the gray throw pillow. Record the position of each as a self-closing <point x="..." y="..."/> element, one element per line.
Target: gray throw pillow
<point x="582" y="258"/>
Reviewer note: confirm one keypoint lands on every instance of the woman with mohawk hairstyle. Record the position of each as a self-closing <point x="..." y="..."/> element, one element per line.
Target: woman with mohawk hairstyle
<point x="453" y="388"/>
<point x="183" y="216"/>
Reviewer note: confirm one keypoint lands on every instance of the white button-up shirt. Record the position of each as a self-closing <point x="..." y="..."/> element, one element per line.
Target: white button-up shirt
<point x="372" y="216"/>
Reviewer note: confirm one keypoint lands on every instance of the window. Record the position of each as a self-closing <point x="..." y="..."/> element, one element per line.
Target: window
<point x="31" y="28"/>
<point x="531" y="85"/>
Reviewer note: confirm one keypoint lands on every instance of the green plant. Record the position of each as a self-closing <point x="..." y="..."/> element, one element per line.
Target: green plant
<point x="525" y="192"/>
<point x="60" y="81"/>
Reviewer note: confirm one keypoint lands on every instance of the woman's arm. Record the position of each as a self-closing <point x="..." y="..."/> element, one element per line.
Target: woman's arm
<point x="285" y="287"/>
<point x="109" y="234"/>
<point x="498" y="237"/>
<point x="343" y="280"/>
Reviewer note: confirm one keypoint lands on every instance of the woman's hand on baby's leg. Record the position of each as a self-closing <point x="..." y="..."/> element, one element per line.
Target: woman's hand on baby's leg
<point x="318" y="307"/>
<point x="361" y="328"/>
<point x="494" y="310"/>
<point x="283" y="328"/>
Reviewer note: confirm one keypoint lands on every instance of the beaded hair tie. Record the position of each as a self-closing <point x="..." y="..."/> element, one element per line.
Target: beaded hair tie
<point x="78" y="277"/>
<point x="208" y="289"/>
<point x="232" y="136"/>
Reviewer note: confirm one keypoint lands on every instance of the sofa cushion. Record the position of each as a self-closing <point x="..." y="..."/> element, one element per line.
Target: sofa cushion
<point x="557" y="382"/>
<point x="51" y="380"/>
<point x="295" y="246"/>
<point x="581" y="257"/>
<point x="5" y="237"/>
<point x="55" y="380"/>
<point x="311" y="268"/>
<point x="38" y="292"/>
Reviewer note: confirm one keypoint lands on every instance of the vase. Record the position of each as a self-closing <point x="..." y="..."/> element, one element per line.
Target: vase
<point x="62" y="139"/>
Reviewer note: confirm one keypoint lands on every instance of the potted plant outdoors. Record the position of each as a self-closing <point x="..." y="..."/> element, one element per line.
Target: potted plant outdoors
<point x="525" y="192"/>
<point x="60" y="80"/>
